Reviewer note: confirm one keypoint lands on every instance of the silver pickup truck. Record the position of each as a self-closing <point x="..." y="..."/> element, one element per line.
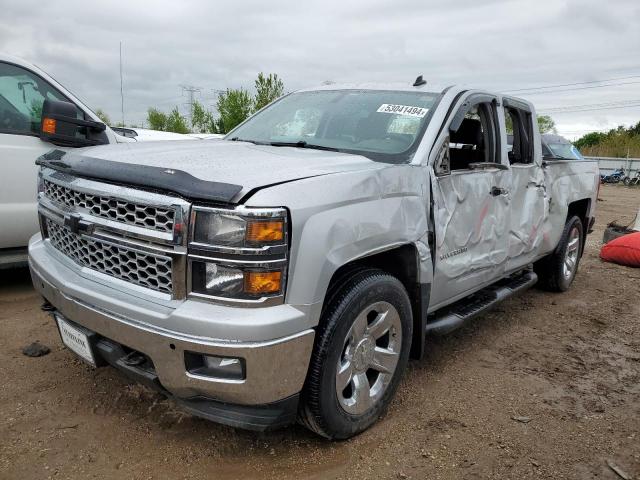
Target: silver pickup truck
<point x="289" y="271"/>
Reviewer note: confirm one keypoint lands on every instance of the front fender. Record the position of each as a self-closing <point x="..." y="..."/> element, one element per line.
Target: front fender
<point x="341" y="217"/>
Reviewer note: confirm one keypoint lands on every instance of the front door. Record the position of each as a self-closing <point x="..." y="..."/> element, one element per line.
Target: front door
<point x="22" y="94"/>
<point x="471" y="202"/>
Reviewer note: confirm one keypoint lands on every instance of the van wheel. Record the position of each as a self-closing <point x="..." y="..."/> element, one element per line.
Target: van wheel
<point x="361" y="349"/>
<point x="557" y="270"/>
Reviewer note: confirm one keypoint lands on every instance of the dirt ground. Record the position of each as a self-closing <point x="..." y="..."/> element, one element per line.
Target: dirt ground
<point x="568" y="362"/>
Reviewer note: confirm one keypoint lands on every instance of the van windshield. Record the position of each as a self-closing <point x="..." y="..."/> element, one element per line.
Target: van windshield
<point x="381" y="125"/>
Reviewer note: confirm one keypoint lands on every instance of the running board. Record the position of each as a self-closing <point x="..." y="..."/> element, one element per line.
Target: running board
<point x="456" y="315"/>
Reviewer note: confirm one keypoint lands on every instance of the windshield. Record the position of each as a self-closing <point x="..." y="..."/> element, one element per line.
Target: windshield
<point x="382" y="125"/>
<point x="565" y="150"/>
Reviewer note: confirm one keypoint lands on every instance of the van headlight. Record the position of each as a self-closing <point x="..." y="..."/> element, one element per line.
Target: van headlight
<point x="238" y="255"/>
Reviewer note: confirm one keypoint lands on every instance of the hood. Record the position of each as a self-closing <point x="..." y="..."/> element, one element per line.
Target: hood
<point x="221" y="171"/>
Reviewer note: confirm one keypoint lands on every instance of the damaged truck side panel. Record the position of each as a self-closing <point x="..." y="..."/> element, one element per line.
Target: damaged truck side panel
<point x="390" y="204"/>
<point x="567" y="181"/>
<point x="357" y="220"/>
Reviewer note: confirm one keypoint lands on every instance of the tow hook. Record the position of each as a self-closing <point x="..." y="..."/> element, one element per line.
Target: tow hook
<point x="47" y="307"/>
<point x="134" y="359"/>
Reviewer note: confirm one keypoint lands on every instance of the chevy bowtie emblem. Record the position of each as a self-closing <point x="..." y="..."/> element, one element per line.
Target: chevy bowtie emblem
<point x="75" y="223"/>
<point x="169" y="171"/>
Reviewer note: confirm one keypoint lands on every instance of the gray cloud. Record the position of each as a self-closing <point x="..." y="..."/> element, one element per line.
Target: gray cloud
<point x="496" y="44"/>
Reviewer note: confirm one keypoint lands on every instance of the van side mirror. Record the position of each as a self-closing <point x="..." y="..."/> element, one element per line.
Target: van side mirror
<point x="61" y="126"/>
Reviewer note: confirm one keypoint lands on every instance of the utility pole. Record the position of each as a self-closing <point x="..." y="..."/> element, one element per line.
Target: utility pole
<point x="121" y="90"/>
<point x="191" y="91"/>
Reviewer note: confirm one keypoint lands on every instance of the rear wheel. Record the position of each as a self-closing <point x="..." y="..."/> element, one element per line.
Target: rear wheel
<point x="626" y="181"/>
<point x="557" y="270"/>
<point x="362" y="348"/>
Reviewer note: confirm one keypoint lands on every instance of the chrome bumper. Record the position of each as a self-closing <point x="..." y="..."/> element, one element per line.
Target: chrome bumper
<point x="275" y="368"/>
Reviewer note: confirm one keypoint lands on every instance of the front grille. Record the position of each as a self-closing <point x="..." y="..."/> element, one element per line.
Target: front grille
<point x="153" y="217"/>
<point x="147" y="270"/>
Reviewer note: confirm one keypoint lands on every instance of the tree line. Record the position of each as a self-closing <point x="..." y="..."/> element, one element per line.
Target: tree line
<point x="234" y="105"/>
<point x="619" y="142"/>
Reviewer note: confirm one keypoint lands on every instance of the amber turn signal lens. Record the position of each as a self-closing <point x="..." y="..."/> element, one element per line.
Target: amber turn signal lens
<point x="262" y="282"/>
<point x="48" y="125"/>
<point x="265" y="231"/>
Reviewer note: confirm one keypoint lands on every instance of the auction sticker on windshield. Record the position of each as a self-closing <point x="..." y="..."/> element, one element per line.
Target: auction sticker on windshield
<point x="403" y="110"/>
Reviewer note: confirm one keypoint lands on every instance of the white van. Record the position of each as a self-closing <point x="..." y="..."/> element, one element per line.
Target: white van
<point x="24" y="88"/>
<point x="147" y="135"/>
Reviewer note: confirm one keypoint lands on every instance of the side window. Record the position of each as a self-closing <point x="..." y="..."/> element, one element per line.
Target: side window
<point x="475" y="140"/>
<point x="519" y="125"/>
<point x="22" y="94"/>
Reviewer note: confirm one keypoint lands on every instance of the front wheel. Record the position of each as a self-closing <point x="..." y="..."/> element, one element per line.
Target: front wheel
<point x="557" y="270"/>
<point x="361" y="349"/>
<point x="626" y="181"/>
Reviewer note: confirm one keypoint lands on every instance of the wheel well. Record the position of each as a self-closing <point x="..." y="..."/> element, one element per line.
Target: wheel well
<point x="580" y="208"/>
<point x="403" y="263"/>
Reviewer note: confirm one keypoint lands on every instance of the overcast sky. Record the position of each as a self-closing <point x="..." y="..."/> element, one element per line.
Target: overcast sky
<point x="502" y="45"/>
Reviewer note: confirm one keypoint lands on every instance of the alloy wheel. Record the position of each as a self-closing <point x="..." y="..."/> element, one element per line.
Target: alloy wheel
<point x="571" y="255"/>
<point x="369" y="358"/>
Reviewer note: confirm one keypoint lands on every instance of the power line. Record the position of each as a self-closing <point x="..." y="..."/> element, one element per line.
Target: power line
<point x="592" y="107"/>
<point x="590" y="82"/>
<point x="587" y="130"/>
<point x="170" y="100"/>
<point x="579" y="88"/>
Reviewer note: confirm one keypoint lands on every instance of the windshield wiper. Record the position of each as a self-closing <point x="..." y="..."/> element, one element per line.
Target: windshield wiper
<point x="303" y="144"/>
<point x="238" y="139"/>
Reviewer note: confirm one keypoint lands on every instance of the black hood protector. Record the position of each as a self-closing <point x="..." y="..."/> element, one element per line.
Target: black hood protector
<point x="167" y="179"/>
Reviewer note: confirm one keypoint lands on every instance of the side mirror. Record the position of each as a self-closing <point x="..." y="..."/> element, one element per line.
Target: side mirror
<point x="442" y="165"/>
<point x="61" y="126"/>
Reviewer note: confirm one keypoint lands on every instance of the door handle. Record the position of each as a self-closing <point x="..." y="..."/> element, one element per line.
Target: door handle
<point x="497" y="191"/>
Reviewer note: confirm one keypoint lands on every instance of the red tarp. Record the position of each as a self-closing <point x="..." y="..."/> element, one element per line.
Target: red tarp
<point x="624" y="250"/>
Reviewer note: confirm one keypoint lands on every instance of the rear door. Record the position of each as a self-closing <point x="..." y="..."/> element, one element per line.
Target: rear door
<point x="530" y="205"/>
<point x="22" y="94"/>
<point x="471" y="201"/>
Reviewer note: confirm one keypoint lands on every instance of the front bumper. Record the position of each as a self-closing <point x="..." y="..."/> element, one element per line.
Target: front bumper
<point x="275" y="369"/>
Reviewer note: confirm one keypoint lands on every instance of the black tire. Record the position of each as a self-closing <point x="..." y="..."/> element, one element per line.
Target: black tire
<point x="626" y="181"/>
<point x="350" y="295"/>
<point x="551" y="269"/>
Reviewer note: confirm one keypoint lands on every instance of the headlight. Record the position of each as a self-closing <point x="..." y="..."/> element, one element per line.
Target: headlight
<point x="238" y="255"/>
<point x="219" y="228"/>
<point x="244" y="283"/>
